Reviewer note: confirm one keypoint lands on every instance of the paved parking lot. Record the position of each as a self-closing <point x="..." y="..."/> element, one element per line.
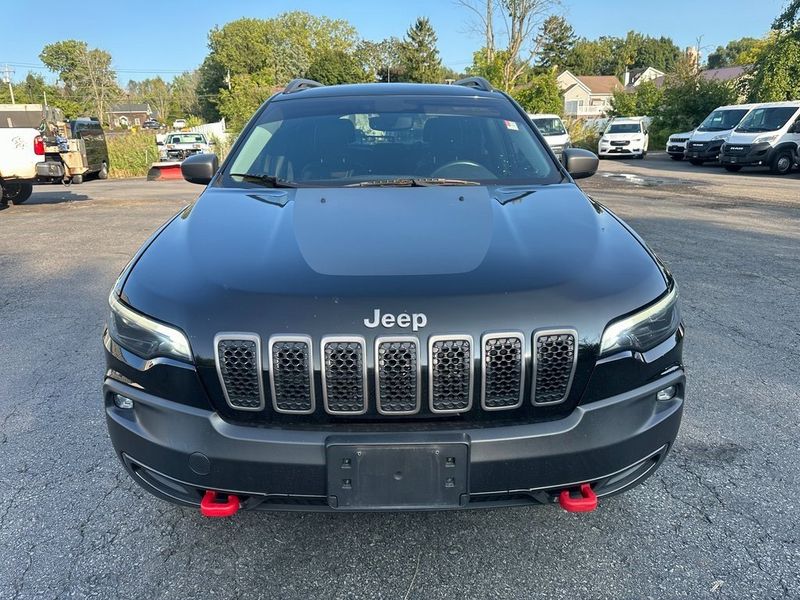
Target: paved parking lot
<point x="719" y="520"/>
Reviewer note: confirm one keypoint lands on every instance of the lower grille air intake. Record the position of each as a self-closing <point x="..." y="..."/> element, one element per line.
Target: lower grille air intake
<point x="290" y="374"/>
<point x="344" y="376"/>
<point x="450" y="374"/>
<point x="238" y="359"/>
<point x="503" y="371"/>
<point x="397" y="389"/>
<point x="554" y="362"/>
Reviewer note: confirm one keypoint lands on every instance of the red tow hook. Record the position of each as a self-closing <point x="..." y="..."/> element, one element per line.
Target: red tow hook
<point x="216" y="504"/>
<point x="586" y="503"/>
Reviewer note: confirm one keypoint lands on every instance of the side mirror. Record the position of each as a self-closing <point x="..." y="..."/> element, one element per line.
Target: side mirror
<point x="580" y="163"/>
<point x="200" y="168"/>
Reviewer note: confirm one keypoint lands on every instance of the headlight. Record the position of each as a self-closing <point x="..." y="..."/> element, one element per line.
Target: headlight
<point x="645" y="329"/>
<point x="764" y="138"/>
<point x="143" y="336"/>
<point x="723" y="137"/>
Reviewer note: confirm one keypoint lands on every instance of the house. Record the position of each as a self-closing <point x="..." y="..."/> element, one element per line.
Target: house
<point x="635" y="77"/>
<point x="129" y="115"/>
<point x="587" y="95"/>
<point x="726" y="73"/>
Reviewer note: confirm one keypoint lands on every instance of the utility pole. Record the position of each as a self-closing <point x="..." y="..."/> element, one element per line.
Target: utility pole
<point x="7" y="73"/>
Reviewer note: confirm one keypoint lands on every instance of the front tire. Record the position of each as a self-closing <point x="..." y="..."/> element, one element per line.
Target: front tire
<point x="17" y="193"/>
<point x="782" y="163"/>
<point x="733" y="168"/>
<point x="77" y="179"/>
<point x="103" y="172"/>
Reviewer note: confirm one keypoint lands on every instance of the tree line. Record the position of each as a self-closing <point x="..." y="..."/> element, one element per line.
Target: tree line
<point x="525" y="44"/>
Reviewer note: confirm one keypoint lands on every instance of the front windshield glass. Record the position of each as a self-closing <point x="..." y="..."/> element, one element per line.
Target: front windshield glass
<point x="356" y="140"/>
<point x="187" y="138"/>
<point x="766" y="119"/>
<point x="624" y="128"/>
<point x="722" y="120"/>
<point x="549" y="125"/>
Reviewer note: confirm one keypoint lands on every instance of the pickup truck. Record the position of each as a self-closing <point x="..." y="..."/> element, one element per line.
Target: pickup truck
<point x="21" y="148"/>
<point x="179" y="145"/>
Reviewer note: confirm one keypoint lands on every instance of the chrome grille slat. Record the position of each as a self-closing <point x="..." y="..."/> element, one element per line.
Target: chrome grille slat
<point x="291" y="374"/>
<point x="344" y="375"/>
<point x="450" y="373"/>
<point x="238" y="360"/>
<point x="555" y="357"/>
<point x="397" y="375"/>
<point x="503" y="372"/>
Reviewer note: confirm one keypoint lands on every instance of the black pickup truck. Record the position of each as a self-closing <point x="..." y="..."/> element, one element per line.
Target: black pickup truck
<point x="392" y="297"/>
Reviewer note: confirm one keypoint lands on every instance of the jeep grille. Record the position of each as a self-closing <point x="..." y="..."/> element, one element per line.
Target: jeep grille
<point x="553" y="365"/>
<point x="397" y="373"/>
<point x="290" y="375"/>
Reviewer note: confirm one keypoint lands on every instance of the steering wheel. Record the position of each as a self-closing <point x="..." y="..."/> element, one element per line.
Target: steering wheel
<point x="463" y="169"/>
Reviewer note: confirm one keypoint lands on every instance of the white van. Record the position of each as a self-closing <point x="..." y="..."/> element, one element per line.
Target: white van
<point x="624" y="137"/>
<point x="706" y="142"/>
<point x="769" y="136"/>
<point x="554" y="132"/>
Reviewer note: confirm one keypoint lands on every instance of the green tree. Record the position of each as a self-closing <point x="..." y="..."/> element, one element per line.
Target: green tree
<point x="556" y="41"/>
<point x="644" y="100"/>
<point x="239" y="103"/>
<point x="731" y="53"/>
<point x="86" y="74"/>
<point x="419" y="56"/>
<point x="613" y="55"/>
<point x="186" y="99"/>
<point x="776" y="73"/>
<point x="789" y="20"/>
<point x="687" y="98"/>
<point x="331" y="67"/>
<point x="540" y="94"/>
<point x="157" y="93"/>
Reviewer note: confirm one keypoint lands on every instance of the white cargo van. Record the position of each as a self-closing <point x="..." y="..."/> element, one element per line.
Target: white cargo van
<point x="769" y="136"/>
<point x="706" y="142"/>
<point x="554" y="132"/>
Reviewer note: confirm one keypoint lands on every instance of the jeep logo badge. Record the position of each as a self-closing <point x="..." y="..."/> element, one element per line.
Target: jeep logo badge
<point x="404" y="320"/>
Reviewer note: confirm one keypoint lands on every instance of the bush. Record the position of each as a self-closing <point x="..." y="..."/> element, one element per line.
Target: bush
<point x="131" y="154"/>
<point x="583" y="134"/>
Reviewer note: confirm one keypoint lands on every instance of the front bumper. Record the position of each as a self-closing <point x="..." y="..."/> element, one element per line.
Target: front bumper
<point x="676" y="149"/>
<point x="177" y="451"/>
<point x="620" y="150"/>
<point x="706" y="151"/>
<point x="747" y="154"/>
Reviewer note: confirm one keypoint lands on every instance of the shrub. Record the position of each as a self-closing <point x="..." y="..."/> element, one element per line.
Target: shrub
<point x="583" y="135"/>
<point x="131" y="154"/>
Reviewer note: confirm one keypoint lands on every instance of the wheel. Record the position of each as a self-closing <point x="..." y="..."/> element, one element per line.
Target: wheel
<point x="641" y="156"/>
<point x="77" y="179"/>
<point x="103" y="172"/>
<point x="676" y="157"/>
<point x="17" y="192"/>
<point x="696" y="162"/>
<point x="733" y="168"/>
<point x="782" y="163"/>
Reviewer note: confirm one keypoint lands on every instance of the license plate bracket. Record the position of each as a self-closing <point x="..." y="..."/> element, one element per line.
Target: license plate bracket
<point x="397" y="476"/>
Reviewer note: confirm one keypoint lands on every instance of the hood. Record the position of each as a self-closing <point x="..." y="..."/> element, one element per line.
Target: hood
<point x="748" y="138"/>
<point x="291" y="259"/>
<point x="621" y="136"/>
<point x="557" y="139"/>
<point x="706" y="136"/>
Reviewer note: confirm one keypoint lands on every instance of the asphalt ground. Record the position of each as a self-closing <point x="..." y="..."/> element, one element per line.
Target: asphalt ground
<point x="718" y="520"/>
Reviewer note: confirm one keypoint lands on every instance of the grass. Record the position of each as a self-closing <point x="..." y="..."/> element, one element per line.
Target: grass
<point x="131" y="154"/>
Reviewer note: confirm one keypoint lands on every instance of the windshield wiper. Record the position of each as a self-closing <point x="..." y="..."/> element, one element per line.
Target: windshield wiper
<point x="266" y="180"/>
<point x="412" y="182"/>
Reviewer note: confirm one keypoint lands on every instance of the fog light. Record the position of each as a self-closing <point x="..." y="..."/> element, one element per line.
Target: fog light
<point x="666" y="393"/>
<point x="125" y="402"/>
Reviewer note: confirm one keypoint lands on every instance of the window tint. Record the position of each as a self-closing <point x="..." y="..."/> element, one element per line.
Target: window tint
<point x="550" y="125"/>
<point x="766" y="119"/>
<point x="339" y="141"/>
<point x="721" y="120"/>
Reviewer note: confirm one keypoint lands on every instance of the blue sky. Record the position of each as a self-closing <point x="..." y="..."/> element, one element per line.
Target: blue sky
<point x="172" y="38"/>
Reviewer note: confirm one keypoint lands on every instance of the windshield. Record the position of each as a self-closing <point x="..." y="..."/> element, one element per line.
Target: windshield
<point x="722" y="120"/>
<point x="766" y="119"/>
<point x="385" y="139"/>
<point x="624" y="128"/>
<point x="187" y="138"/>
<point x="549" y="125"/>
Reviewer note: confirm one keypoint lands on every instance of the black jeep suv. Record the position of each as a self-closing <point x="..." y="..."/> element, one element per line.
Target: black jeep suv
<point x="392" y="297"/>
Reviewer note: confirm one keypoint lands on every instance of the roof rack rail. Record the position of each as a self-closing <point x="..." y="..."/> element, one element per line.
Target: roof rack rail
<point x="478" y="83"/>
<point x="295" y="85"/>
